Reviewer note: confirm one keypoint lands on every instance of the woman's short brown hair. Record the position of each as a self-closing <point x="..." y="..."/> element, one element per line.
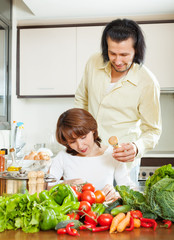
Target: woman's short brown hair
<point x="78" y="122"/>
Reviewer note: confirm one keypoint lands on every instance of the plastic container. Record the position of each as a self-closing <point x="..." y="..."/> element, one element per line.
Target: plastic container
<point x="2" y="161"/>
<point x="13" y="134"/>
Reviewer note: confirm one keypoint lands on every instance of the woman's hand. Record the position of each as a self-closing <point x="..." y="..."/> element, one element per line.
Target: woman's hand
<point x="110" y="193"/>
<point x="126" y="152"/>
<point x="74" y="181"/>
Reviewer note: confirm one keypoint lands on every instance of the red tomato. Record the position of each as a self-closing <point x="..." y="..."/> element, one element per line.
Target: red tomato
<point x="88" y="196"/>
<point x="74" y="188"/>
<point x="88" y="187"/>
<point x="74" y="216"/>
<point x="99" y="196"/>
<point x="78" y="195"/>
<point x="85" y="206"/>
<point x="105" y="219"/>
<point x="136" y="214"/>
<point x="91" y="218"/>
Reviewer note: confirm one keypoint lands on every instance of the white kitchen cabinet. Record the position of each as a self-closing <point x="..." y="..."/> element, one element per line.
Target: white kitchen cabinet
<point x="160" y="52"/>
<point x="88" y="43"/>
<point x="51" y="60"/>
<point x="47" y="59"/>
<point x="159" y="39"/>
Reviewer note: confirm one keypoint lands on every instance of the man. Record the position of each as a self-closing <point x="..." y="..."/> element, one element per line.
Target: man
<point x="122" y="94"/>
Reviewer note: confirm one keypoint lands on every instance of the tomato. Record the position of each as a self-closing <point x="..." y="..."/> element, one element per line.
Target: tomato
<point x="74" y="188"/>
<point x="105" y="219"/>
<point x="91" y="218"/>
<point x="136" y="214"/>
<point x="85" y="206"/>
<point x="88" y="196"/>
<point x="79" y="195"/>
<point x="74" y="216"/>
<point x="99" y="196"/>
<point x="88" y="187"/>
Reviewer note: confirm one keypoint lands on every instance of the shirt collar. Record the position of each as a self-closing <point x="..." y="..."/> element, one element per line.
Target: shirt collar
<point x="131" y="75"/>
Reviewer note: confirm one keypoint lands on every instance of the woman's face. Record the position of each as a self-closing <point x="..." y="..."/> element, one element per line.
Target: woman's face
<point x="84" y="145"/>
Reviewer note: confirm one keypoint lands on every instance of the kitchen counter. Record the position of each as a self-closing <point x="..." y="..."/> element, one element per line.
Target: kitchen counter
<point x="140" y="233"/>
<point x="159" y="154"/>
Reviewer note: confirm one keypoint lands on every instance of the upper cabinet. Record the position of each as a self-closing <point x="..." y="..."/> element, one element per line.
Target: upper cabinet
<point x="47" y="62"/>
<point x="51" y="60"/>
<point x="88" y="42"/>
<point x="160" y="52"/>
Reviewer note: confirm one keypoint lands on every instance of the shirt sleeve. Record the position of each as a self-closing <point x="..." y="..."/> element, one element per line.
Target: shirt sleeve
<point x="56" y="169"/>
<point x="150" y="115"/>
<point x="81" y="95"/>
<point x="122" y="176"/>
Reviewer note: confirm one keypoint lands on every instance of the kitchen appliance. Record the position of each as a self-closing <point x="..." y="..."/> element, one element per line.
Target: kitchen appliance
<point x="148" y="167"/>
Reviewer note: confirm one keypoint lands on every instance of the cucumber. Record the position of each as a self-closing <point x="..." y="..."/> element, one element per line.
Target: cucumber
<point x="63" y="224"/>
<point x="121" y="209"/>
<point x="119" y="201"/>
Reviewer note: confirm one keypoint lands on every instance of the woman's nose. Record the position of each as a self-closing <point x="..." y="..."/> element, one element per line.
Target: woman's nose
<point x="79" y="143"/>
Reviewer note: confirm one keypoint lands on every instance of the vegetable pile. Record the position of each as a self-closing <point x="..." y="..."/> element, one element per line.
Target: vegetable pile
<point x="158" y="199"/>
<point x="32" y="214"/>
<point x="67" y="208"/>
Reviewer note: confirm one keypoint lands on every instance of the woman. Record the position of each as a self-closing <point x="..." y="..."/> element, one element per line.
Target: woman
<point x="85" y="159"/>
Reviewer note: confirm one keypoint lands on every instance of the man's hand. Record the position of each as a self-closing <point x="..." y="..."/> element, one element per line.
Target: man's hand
<point x="126" y="152"/>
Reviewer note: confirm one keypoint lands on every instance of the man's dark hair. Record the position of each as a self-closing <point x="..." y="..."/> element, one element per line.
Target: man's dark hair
<point x="120" y="30"/>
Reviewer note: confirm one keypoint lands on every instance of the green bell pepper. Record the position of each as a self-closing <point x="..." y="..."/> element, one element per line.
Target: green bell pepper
<point x="98" y="208"/>
<point x="69" y="207"/>
<point x="60" y="191"/>
<point x="48" y="219"/>
<point x="45" y="195"/>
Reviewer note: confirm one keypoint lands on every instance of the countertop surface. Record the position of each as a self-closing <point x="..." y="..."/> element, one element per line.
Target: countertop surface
<point x="140" y="233"/>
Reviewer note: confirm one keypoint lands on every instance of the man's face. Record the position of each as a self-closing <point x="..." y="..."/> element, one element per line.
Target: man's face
<point x="121" y="54"/>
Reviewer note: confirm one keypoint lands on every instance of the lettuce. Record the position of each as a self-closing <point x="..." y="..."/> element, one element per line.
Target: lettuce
<point x="161" y="198"/>
<point x="165" y="171"/>
<point x="157" y="201"/>
<point x="136" y="200"/>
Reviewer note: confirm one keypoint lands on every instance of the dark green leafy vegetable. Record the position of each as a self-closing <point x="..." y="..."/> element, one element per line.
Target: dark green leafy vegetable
<point x="160" y="173"/>
<point x="161" y="198"/>
<point x="158" y="199"/>
<point x="31" y="213"/>
<point x="135" y="199"/>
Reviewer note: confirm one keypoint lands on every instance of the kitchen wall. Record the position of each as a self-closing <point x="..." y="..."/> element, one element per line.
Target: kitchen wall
<point x="40" y="115"/>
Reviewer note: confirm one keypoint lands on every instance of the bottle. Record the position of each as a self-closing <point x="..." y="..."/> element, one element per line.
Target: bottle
<point x="13" y="134"/>
<point x="20" y="142"/>
<point x="6" y="156"/>
<point x="14" y="166"/>
<point x="2" y="161"/>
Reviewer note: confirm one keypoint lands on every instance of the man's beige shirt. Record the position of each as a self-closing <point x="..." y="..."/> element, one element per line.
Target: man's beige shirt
<point x="130" y="111"/>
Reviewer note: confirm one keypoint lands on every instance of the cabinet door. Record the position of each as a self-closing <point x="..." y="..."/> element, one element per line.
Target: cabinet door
<point x="160" y="51"/>
<point x="47" y="59"/>
<point x="88" y="43"/>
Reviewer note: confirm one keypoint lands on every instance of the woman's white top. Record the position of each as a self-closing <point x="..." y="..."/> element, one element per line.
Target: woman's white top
<point x="99" y="170"/>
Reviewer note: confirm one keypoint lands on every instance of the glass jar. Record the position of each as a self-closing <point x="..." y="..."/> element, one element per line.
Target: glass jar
<point x="2" y="161"/>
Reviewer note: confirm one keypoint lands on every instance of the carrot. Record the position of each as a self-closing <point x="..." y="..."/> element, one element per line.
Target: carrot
<point x="115" y="221"/>
<point x="137" y="223"/>
<point x="124" y="223"/>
